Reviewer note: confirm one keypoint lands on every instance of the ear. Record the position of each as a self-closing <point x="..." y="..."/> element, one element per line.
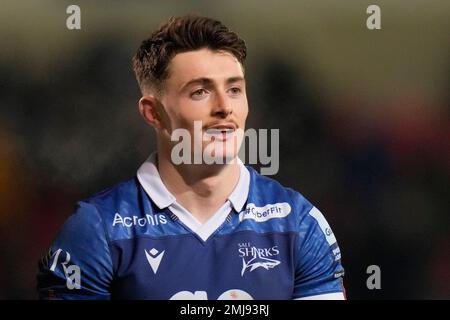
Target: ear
<point x="148" y="108"/>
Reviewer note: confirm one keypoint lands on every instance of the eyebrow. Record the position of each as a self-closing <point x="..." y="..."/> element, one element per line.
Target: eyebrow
<point x="208" y="81"/>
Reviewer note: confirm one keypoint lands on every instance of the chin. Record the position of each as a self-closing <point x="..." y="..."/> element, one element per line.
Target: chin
<point x="219" y="155"/>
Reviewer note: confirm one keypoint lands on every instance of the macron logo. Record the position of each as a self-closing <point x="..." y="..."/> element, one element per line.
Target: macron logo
<point x="154" y="258"/>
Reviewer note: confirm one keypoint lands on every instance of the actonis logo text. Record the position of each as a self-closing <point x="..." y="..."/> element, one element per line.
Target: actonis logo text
<point x="149" y="219"/>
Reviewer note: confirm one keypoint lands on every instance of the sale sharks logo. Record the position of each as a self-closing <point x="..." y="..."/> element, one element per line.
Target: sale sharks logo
<point x="254" y="258"/>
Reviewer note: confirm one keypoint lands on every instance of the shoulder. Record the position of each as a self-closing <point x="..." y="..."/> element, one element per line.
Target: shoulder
<point x="125" y="211"/>
<point x="123" y="193"/>
<point x="271" y="189"/>
<point x="103" y="205"/>
<point x="269" y="199"/>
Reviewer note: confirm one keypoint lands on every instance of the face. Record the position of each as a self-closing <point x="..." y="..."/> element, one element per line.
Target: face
<point x="205" y="94"/>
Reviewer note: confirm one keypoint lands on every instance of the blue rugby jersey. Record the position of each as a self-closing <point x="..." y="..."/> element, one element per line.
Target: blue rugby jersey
<point x="134" y="241"/>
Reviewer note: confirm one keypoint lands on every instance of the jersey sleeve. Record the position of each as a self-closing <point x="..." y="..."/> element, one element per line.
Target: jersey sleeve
<point x="319" y="272"/>
<point x="78" y="264"/>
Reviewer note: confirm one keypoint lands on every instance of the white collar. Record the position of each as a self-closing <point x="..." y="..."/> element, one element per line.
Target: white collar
<point x="150" y="180"/>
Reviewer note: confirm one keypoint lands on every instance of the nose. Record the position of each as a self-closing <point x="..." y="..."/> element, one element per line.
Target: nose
<point x="222" y="106"/>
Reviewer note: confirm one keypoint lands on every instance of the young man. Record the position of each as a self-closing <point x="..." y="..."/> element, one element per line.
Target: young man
<point x="194" y="229"/>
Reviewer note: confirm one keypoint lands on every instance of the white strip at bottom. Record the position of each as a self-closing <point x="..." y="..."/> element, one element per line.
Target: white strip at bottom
<point x="327" y="296"/>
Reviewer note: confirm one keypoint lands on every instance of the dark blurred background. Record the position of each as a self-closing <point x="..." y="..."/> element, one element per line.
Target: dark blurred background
<point x="363" y="118"/>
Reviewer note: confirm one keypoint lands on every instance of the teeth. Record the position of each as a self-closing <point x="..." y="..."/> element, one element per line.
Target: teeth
<point x="219" y="131"/>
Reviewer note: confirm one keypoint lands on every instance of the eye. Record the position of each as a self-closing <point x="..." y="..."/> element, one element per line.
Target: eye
<point x="198" y="93"/>
<point x="235" y="90"/>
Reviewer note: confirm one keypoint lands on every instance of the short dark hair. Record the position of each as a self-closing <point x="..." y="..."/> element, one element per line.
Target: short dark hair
<point x="181" y="34"/>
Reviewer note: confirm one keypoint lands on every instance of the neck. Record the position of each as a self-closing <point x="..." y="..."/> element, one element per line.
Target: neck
<point x="201" y="189"/>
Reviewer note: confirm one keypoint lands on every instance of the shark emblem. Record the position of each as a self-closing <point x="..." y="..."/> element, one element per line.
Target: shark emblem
<point x="258" y="261"/>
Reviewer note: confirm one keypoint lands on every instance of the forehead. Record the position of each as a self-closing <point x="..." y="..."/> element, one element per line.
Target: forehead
<point x="204" y="63"/>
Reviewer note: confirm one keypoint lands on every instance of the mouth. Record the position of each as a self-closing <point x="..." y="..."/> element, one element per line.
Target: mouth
<point x="220" y="132"/>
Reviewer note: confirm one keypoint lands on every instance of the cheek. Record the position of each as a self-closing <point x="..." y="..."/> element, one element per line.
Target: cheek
<point x="191" y="111"/>
<point x="180" y="113"/>
<point x="243" y="111"/>
<point x="187" y="114"/>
